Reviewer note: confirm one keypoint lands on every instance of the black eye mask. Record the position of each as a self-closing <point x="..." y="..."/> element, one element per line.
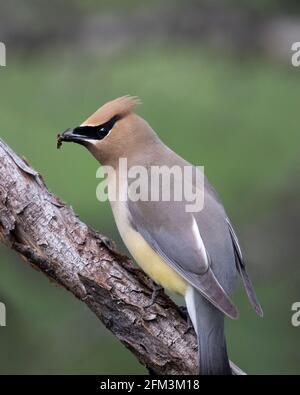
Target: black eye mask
<point x="96" y="132"/>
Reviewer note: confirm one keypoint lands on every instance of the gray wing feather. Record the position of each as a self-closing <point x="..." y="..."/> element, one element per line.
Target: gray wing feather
<point x="243" y="272"/>
<point x="175" y="245"/>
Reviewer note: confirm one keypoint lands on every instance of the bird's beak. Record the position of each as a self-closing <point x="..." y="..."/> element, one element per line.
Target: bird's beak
<point x="70" y="135"/>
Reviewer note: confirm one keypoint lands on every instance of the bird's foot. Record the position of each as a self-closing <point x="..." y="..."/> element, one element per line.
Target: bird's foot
<point x="185" y="315"/>
<point x="156" y="290"/>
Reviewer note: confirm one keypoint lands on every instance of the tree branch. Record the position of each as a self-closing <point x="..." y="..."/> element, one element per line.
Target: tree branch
<point x="49" y="236"/>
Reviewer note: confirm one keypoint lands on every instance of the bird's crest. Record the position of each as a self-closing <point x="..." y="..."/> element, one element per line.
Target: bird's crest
<point x="118" y="107"/>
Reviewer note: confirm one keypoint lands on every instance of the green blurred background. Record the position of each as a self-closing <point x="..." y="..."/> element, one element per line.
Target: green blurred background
<point x="217" y="84"/>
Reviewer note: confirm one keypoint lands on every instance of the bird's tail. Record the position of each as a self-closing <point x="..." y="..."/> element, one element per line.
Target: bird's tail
<point x="208" y="323"/>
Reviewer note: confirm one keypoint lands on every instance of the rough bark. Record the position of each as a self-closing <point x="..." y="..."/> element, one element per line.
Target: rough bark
<point x="50" y="237"/>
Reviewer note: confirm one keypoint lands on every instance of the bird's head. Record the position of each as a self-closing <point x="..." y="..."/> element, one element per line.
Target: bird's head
<point x="111" y="132"/>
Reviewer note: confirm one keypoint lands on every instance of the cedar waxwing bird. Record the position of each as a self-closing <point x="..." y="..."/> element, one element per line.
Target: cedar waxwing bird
<point x="195" y="254"/>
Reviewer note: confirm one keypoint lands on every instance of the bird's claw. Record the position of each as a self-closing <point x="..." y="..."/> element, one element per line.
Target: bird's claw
<point x="156" y="290"/>
<point x="185" y="315"/>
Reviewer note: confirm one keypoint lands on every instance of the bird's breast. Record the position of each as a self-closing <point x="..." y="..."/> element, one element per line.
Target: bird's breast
<point x="143" y="253"/>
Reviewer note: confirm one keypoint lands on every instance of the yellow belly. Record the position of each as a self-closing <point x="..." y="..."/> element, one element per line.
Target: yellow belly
<point x="144" y="255"/>
<point x="153" y="264"/>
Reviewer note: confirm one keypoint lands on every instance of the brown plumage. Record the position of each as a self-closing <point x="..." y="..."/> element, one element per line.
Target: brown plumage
<point x="120" y="106"/>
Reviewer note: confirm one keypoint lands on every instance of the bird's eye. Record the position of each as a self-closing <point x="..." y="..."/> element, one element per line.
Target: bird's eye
<point x="96" y="132"/>
<point x="106" y="127"/>
<point x="103" y="131"/>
